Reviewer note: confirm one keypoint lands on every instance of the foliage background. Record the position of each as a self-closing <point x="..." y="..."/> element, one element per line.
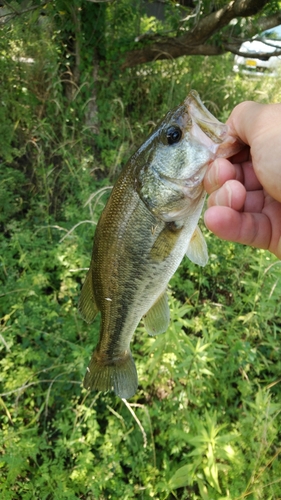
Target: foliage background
<point x="205" y="423"/>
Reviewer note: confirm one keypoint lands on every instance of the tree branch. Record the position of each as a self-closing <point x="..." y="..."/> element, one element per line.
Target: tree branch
<point x="254" y="55"/>
<point x="15" y="13"/>
<point x="193" y="42"/>
<point x="268" y="22"/>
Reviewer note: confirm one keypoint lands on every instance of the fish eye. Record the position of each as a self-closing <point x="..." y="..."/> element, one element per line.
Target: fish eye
<point x="174" y="135"/>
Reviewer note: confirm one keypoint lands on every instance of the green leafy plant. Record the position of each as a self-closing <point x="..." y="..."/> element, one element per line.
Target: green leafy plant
<point x="205" y="422"/>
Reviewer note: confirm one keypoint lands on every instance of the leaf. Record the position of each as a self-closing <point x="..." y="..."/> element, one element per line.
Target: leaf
<point x="203" y="490"/>
<point x="181" y="477"/>
<point x="211" y="473"/>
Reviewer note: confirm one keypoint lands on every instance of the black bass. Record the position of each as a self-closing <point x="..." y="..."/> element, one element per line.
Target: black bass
<point x="147" y="226"/>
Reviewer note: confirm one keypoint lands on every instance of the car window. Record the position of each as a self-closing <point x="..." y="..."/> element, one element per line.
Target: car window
<point x="272" y="34"/>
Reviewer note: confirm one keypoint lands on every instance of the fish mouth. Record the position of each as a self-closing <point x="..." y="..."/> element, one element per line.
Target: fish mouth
<point x="209" y="130"/>
<point x="207" y="122"/>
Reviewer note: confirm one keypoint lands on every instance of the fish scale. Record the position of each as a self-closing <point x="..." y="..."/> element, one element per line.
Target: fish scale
<point x="147" y="226"/>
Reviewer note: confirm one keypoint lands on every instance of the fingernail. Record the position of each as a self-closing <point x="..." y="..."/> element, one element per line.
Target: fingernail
<point x="206" y="219"/>
<point x="212" y="174"/>
<point x="223" y="197"/>
<point x="229" y="194"/>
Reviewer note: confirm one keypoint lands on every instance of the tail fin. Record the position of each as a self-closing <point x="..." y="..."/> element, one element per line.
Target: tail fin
<point x="118" y="375"/>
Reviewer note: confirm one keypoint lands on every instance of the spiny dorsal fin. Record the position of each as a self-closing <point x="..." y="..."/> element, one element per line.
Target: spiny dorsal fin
<point x="157" y="319"/>
<point x="197" y="250"/>
<point x="87" y="305"/>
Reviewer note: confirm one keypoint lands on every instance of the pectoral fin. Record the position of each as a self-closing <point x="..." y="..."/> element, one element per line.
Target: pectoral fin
<point x="157" y="319"/>
<point x="165" y="242"/>
<point x="87" y="305"/>
<point x="197" y="250"/>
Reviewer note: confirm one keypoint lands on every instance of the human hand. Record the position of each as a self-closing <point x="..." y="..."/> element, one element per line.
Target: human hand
<point x="245" y="191"/>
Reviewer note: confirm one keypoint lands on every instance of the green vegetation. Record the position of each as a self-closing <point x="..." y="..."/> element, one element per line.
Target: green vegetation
<point x="205" y="423"/>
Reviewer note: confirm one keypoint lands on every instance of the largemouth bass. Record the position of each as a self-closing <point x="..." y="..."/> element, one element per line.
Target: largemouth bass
<point x="147" y="226"/>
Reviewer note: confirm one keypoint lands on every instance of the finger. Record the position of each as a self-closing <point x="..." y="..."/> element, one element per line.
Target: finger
<point x="232" y="194"/>
<point x="220" y="171"/>
<point x="251" y="182"/>
<point x="246" y="228"/>
<point x="254" y="201"/>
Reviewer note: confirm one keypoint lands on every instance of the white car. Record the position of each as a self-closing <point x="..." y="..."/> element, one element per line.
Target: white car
<point x="266" y="42"/>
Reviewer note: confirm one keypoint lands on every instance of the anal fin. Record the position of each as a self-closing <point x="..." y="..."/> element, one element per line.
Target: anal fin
<point x="87" y="304"/>
<point x="157" y="319"/>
